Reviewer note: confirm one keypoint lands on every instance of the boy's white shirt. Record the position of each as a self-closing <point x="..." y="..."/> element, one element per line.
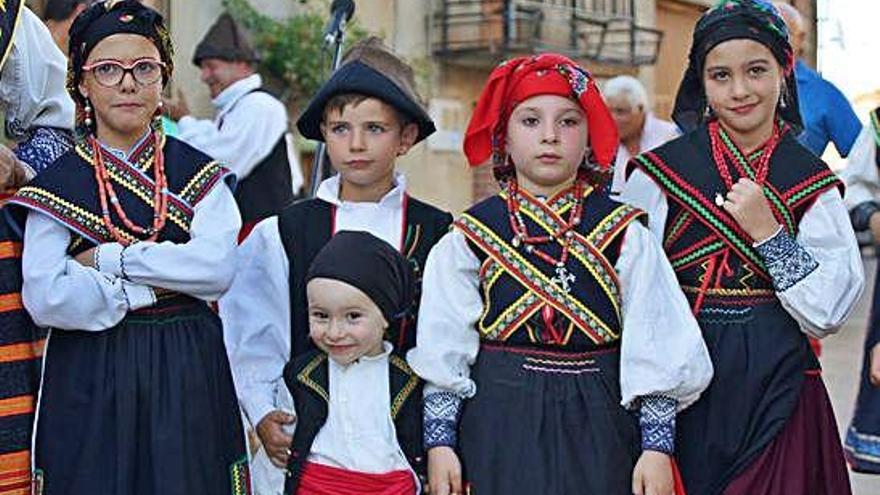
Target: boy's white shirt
<point x="256" y="309"/>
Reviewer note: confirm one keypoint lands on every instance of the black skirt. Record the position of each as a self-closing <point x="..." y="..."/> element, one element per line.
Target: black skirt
<point x="761" y="359"/>
<point x="146" y="407"/>
<point x="548" y="423"/>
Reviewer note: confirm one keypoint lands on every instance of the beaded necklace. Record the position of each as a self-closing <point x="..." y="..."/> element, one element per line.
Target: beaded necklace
<point x="105" y="190"/>
<point x="563" y="234"/>
<point x="719" y="151"/>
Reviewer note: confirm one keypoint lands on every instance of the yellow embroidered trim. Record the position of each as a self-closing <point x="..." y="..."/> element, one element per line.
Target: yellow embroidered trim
<point x="304" y="376"/>
<point x="411" y="384"/>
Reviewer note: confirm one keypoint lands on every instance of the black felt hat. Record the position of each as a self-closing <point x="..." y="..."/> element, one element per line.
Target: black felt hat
<point x="369" y="69"/>
<point x="226" y="40"/>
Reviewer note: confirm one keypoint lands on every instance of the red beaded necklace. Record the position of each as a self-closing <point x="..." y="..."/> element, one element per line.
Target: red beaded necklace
<point x="719" y="151"/>
<point x="105" y="189"/>
<point x="564" y="233"/>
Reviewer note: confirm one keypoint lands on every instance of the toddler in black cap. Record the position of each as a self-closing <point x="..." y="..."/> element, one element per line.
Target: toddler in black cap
<point x="358" y="404"/>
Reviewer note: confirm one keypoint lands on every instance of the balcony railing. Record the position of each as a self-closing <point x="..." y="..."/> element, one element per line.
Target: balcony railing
<point x="489" y="30"/>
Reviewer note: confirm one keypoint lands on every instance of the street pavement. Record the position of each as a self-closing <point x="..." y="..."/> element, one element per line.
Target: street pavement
<point x="841" y="362"/>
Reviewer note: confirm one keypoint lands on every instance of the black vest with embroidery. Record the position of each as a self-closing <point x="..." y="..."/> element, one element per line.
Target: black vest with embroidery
<point x="307" y="378"/>
<point x="712" y="255"/>
<point x="269" y="186"/>
<point x="517" y="285"/>
<point x="306" y="226"/>
<point x="68" y="192"/>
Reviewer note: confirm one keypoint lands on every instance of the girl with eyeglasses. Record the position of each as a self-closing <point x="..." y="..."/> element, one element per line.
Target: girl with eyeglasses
<point x="129" y="237"/>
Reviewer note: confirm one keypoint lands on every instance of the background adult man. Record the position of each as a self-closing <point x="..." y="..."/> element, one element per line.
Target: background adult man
<point x="249" y="132"/>
<point x="637" y="126"/>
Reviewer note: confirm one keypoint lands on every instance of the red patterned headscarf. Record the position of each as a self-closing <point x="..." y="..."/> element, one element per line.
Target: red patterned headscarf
<point x="521" y="78"/>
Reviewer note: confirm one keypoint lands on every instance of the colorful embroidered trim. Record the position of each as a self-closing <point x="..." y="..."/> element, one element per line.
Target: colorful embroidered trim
<point x="535" y="280"/>
<point x="693" y="200"/>
<point x="589" y="256"/>
<point x="80" y="220"/>
<point x="240" y="477"/>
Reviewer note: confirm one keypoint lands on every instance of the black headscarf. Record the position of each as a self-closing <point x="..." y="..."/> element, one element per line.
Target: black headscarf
<point x="756" y="20"/>
<point x="105" y="19"/>
<point x="364" y="261"/>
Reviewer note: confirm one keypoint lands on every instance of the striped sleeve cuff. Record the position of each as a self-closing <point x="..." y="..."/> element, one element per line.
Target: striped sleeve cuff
<point x="657" y="421"/>
<point x="442" y="410"/>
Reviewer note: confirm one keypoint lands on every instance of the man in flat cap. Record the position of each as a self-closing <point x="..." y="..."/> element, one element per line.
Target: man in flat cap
<point x="249" y="132"/>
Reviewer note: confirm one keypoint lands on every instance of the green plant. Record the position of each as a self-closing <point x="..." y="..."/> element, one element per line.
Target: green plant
<point x="291" y="48"/>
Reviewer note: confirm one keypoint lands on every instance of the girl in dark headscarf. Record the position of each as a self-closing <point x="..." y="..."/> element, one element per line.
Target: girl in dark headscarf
<point x="756" y="230"/>
<point x="128" y="235"/>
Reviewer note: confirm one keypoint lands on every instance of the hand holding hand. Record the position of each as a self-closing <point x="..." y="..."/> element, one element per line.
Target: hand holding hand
<point x="270" y="429"/>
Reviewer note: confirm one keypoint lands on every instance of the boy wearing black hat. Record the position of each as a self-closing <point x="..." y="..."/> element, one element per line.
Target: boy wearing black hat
<point x="359" y="403"/>
<point x="369" y="114"/>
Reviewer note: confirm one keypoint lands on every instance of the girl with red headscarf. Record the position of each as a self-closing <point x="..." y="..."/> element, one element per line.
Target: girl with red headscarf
<point x="556" y="345"/>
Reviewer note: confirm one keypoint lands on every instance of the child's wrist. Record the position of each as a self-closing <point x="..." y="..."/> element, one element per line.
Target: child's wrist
<point x="442" y="410"/>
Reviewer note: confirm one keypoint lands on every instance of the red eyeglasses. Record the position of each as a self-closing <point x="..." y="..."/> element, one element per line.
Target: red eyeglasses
<point x="109" y="73"/>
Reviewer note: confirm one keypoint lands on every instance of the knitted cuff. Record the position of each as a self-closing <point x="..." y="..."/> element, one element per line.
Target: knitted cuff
<point x="442" y="410"/>
<point x="787" y="261"/>
<point x="657" y="420"/>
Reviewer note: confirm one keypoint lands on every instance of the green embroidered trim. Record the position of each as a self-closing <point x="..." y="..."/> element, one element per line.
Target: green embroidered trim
<point x="676" y="227"/>
<point x="819" y="184"/>
<point x="78" y="218"/>
<point x="775" y="198"/>
<point x="240" y="477"/>
<point x="875" y="123"/>
<point x="407" y="390"/>
<point x="742" y="246"/>
<point x="38" y="484"/>
<point x="699" y="253"/>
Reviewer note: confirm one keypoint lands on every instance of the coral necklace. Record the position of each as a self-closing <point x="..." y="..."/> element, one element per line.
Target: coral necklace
<point x="719" y="151"/>
<point x="563" y="234"/>
<point x="105" y="190"/>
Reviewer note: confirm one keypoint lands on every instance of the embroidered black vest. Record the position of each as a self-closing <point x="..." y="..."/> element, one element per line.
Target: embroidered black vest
<point x="307" y="378"/>
<point x="518" y="285"/>
<point x="68" y="192"/>
<point x="712" y="256"/>
<point x="268" y="189"/>
<point x="307" y="225"/>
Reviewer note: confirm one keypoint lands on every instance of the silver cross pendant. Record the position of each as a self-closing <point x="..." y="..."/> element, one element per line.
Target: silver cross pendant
<point x="563" y="278"/>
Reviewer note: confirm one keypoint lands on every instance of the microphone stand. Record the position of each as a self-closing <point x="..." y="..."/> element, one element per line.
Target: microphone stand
<point x="338" y="38"/>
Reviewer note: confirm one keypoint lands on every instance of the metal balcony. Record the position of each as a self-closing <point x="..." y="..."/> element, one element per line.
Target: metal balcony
<point x="484" y="32"/>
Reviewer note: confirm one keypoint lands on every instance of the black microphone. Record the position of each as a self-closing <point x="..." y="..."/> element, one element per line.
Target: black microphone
<point x="340" y="12"/>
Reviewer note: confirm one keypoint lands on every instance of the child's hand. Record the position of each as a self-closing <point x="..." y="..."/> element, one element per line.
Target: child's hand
<point x="875" y="366"/>
<point x="444" y="471"/>
<point x="653" y="474"/>
<point x="270" y="429"/>
<point x="747" y="205"/>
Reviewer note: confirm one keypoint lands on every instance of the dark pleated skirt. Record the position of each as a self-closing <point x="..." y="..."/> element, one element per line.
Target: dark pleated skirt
<point x="750" y="409"/>
<point x="863" y="436"/>
<point x="147" y="407"/>
<point x="547" y="423"/>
